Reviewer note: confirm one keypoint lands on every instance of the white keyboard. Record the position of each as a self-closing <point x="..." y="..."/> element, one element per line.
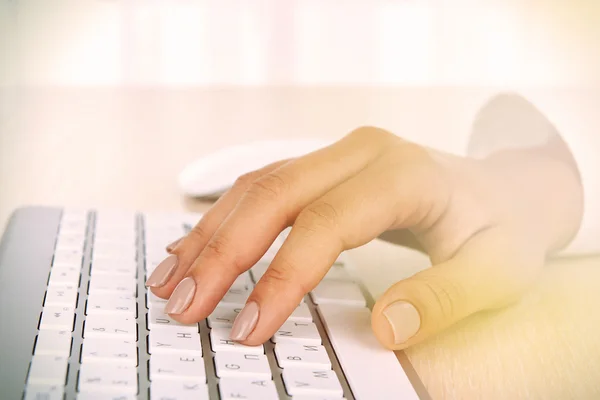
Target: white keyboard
<point x="102" y="335"/>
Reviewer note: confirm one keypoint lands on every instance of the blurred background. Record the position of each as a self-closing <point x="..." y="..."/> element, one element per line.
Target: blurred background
<point x="256" y="42"/>
<point x="103" y="102"/>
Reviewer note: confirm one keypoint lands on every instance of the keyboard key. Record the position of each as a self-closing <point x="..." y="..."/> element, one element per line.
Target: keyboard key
<point x="243" y="282"/>
<point x="174" y="390"/>
<point x="302" y="356"/>
<point x="57" y="318"/>
<point x="258" y="270"/>
<point x="68" y="259"/>
<point x="220" y="342"/>
<point x="338" y="292"/>
<point x="312" y="382"/>
<point x="178" y="367"/>
<point x="107" y="266"/>
<point x="153" y="301"/>
<point x="107" y="350"/>
<point x="112" y="284"/>
<point x="298" y="332"/>
<point x="70" y="242"/>
<point x="223" y="316"/>
<point x="235" y="298"/>
<point x="64" y="276"/>
<point x="44" y="392"/>
<point x="349" y="329"/>
<point x="116" y="304"/>
<point x="105" y="396"/>
<point x="55" y="343"/>
<point x="61" y="296"/>
<point x="110" y="326"/>
<point x="47" y="369"/>
<point x="247" y="388"/>
<point x="171" y="341"/>
<point x="242" y="365"/>
<point x="111" y="251"/>
<point x="301" y="314"/>
<point x="338" y="273"/>
<point x="157" y="319"/>
<point x="113" y="378"/>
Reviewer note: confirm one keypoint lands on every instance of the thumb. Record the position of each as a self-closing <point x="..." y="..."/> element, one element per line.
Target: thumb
<point x="491" y="270"/>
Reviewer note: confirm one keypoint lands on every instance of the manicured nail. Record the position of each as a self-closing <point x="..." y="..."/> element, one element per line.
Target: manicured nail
<point x="163" y="272"/>
<point x="404" y="320"/>
<point x="245" y="322"/>
<point x="171" y="246"/>
<point x="182" y="296"/>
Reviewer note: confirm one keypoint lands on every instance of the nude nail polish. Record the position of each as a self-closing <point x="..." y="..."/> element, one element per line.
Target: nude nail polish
<point x="171" y="246"/>
<point x="163" y="272"/>
<point x="404" y="320"/>
<point x="245" y="322"/>
<point x="182" y="296"/>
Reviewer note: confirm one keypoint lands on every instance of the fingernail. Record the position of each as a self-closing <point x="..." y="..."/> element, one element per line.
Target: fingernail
<point x="171" y="246"/>
<point x="245" y="322"/>
<point x="182" y="296"/>
<point x="163" y="272"/>
<point x="404" y="320"/>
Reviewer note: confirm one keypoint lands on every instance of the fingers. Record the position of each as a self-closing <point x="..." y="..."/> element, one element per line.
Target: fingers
<point x="491" y="270"/>
<point x="186" y="249"/>
<point x="349" y="215"/>
<point x="270" y="204"/>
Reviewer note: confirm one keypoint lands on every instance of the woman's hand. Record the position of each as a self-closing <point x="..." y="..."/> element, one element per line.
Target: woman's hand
<point x="487" y="226"/>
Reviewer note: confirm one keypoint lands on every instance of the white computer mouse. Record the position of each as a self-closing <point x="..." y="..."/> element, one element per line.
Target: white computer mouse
<point x="213" y="174"/>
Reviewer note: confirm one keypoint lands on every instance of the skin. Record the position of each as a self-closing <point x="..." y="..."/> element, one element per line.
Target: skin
<point x="487" y="225"/>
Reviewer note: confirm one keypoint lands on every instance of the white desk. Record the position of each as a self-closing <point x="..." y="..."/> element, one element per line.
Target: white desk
<point x="123" y="148"/>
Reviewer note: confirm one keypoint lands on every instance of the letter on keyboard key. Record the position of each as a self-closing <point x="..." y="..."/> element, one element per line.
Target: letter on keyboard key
<point x="298" y="332"/>
<point x="46" y="369"/>
<point x="301" y="356"/>
<point x="115" y="304"/>
<point x="171" y="341"/>
<point x="44" y="392"/>
<point x="108" y="378"/>
<point x="242" y="365"/>
<point x="64" y="276"/>
<point x="178" y="367"/>
<point x="114" y="267"/>
<point x="338" y="292"/>
<point x="349" y="330"/>
<point x="106" y="350"/>
<point x="220" y="341"/>
<point x="57" y="318"/>
<point x="253" y="389"/>
<point x="313" y="382"/>
<point x="56" y="343"/>
<point x="174" y="390"/>
<point x="110" y="326"/>
<point x="157" y="319"/>
<point x="61" y="296"/>
<point x="223" y="316"/>
<point x="112" y="284"/>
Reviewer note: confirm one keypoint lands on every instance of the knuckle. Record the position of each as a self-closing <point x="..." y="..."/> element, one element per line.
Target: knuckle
<point x="246" y="179"/>
<point x="219" y="248"/>
<point x="319" y="215"/>
<point x="269" y="187"/>
<point x="445" y="296"/>
<point x="283" y="274"/>
<point x="370" y="133"/>
<point x="198" y="233"/>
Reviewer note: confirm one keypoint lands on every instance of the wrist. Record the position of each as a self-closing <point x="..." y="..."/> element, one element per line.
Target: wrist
<point x="542" y="184"/>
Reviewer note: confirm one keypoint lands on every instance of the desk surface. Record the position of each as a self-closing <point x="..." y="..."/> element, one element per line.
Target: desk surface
<point x="122" y="148"/>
